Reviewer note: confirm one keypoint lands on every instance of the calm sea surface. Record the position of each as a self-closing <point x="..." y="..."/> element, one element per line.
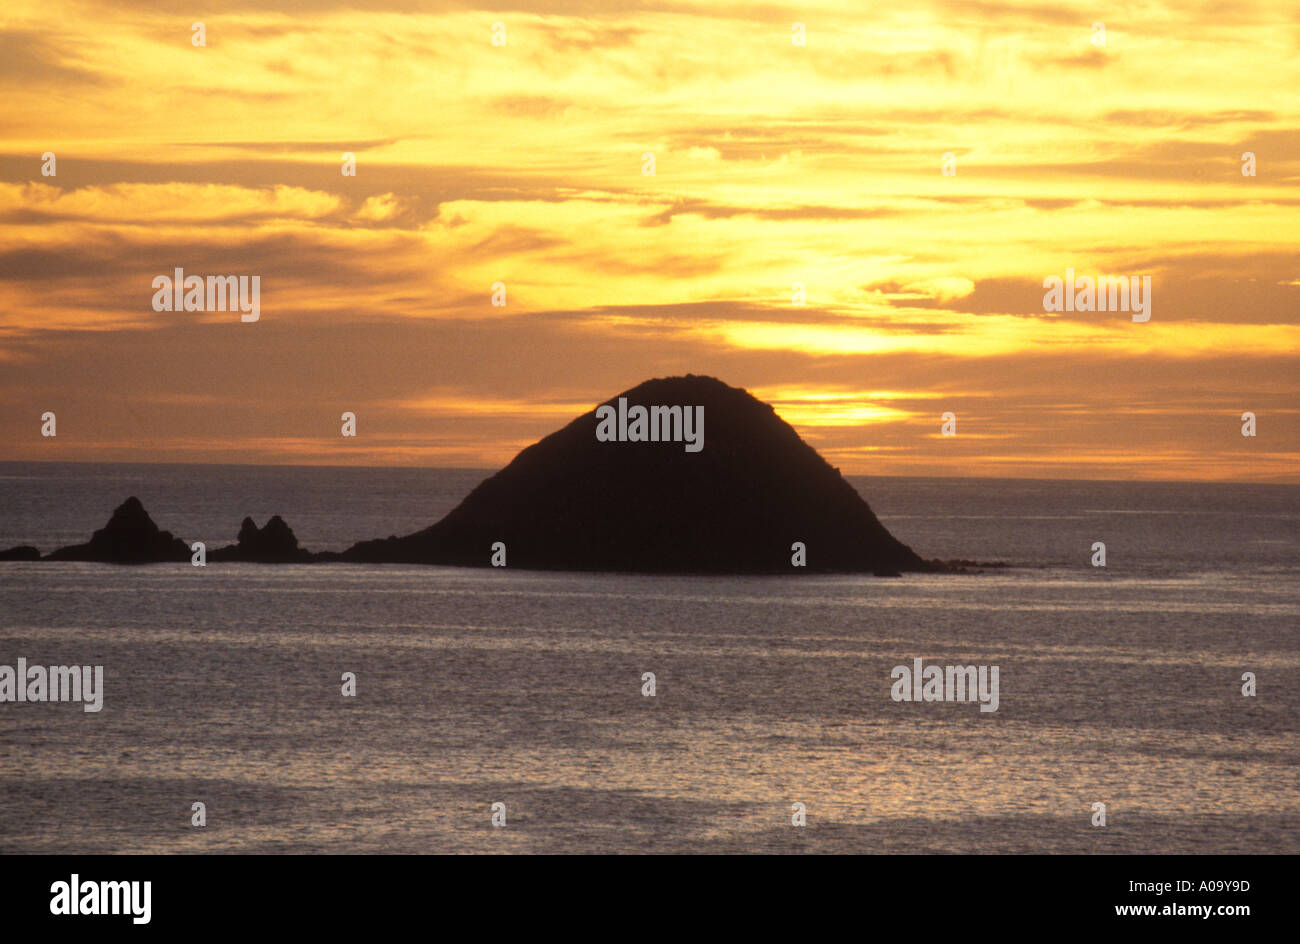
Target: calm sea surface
<point x="222" y="684"/>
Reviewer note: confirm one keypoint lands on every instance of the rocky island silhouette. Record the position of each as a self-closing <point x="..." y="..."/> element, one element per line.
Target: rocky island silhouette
<point x="747" y="496"/>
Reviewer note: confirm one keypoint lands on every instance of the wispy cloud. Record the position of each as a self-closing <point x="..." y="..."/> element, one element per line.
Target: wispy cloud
<point x="797" y="235"/>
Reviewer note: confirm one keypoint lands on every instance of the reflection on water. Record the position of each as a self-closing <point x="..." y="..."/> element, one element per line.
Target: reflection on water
<point x="223" y="685"/>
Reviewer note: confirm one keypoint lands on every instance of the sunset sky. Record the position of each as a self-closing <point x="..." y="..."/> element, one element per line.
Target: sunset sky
<point x="775" y="164"/>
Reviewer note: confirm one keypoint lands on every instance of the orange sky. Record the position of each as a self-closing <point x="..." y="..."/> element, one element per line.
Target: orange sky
<point x="775" y="164"/>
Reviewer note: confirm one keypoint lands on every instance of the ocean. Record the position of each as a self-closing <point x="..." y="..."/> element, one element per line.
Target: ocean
<point x="1119" y="686"/>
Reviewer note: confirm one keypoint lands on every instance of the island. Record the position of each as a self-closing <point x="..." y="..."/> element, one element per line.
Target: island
<point x="738" y="505"/>
<point x="679" y="475"/>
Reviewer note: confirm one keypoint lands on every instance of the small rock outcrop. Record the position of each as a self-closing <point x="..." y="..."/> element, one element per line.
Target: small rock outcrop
<point x="274" y="543"/>
<point x="130" y="537"/>
<point x="23" y="552"/>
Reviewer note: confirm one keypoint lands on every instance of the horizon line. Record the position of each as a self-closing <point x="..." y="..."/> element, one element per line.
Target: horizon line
<point x="493" y="471"/>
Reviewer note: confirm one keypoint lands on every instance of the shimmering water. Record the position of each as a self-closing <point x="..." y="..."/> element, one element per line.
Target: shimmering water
<point x="222" y="684"/>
